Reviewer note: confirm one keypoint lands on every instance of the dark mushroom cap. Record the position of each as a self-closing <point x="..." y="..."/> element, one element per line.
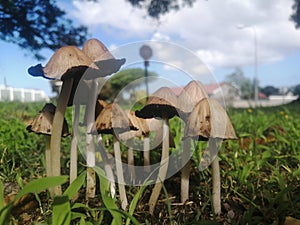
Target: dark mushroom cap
<point x="209" y="120"/>
<point x="42" y="124"/>
<point x="162" y="104"/>
<point x="191" y="94"/>
<point x="112" y="119"/>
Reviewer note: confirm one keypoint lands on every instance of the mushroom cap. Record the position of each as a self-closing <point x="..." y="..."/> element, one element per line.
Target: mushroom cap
<point x="191" y="94"/>
<point x="100" y="105"/>
<point x="96" y="50"/>
<point x="42" y="124"/>
<point x="162" y="103"/>
<point x="139" y="123"/>
<point x="112" y="119"/>
<point x="140" y="126"/>
<point x="101" y="56"/>
<point x="66" y="62"/>
<point x="209" y="120"/>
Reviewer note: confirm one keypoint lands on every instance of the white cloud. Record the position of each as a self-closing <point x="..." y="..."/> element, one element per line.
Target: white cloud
<point x="208" y="28"/>
<point x="114" y="15"/>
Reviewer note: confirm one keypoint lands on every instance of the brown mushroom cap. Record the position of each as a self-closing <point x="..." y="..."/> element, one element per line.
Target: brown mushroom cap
<point x="162" y="103"/>
<point x="140" y="123"/>
<point x="96" y="50"/>
<point x="101" y="56"/>
<point x="191" y="94"/>
<point x="66" y="62"/>
<point x="209" y="120"/>
<point x="42" y="124"/>
<point x="100" y="104"/>
<point x="112" y="119"/>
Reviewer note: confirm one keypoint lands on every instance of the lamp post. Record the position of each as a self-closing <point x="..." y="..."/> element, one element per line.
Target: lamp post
<point x="146" y="53"/>
<point x="255" y="80"/>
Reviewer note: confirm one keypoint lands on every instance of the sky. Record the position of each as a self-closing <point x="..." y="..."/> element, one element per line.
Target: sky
<point x="216" y="35"/>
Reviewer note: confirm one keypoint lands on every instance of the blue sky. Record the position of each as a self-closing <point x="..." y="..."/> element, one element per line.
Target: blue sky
<point x="208" y="30"/>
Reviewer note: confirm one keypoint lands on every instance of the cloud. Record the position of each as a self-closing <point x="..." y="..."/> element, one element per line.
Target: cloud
<point x="113" y="16"/>
<point x="209" y="28"/>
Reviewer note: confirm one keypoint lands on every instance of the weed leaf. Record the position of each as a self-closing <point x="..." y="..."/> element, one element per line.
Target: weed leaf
<point x="41" y="184"/>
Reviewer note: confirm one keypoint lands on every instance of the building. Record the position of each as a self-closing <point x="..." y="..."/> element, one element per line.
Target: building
<point x="223" y="91"/>
<point x="21" y="94"/>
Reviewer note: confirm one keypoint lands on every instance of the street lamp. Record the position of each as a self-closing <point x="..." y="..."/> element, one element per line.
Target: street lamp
<point x="146" y="53"/>
<point x="255" y="61"/>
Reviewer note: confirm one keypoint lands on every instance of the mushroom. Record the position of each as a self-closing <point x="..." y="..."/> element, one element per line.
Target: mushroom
<point x="100" y="55"/>
<point x="209" y="121"/>
<point x="42" y="124"/>
<point x="191" y="94"/>
<point x="142" y="129"/>
<point x="113" y="120"/>
<point x="67" y="64"/>
<point x="162" y="104"/>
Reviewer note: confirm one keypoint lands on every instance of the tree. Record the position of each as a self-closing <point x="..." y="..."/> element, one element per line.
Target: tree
<point x="270" y="90"/>
<point x="38" y="24"/>
<point x="156" y="8"/>
<point x="296" y="13"/>
<point x="245" y="85"/>
<point x="129" y="78"/>
<point x="296" y="90"/>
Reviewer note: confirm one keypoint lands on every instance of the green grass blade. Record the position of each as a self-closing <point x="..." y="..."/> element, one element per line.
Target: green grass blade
<point x="168" y="204"/>
<point x="135" y="201"/>
<point x="41" y="184"/>
<point x="75" y="186"/>
<point x="109" y="202"/>
<point x="61" y="211"/>
<point x="1" y="195"/>
<point x="5" y="213"/>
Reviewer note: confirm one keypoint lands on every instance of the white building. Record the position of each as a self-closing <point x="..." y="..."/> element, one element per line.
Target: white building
<point x="21" y="94"/>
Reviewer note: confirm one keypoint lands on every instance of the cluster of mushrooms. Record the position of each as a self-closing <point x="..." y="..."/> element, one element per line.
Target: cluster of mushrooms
<point x="204" y="119"/>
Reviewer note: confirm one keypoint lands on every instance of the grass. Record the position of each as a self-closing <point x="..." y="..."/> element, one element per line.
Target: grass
<point x="260" y="175"/>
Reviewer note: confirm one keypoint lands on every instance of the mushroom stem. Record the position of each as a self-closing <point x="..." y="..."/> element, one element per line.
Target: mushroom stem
<point x="216" y="179"/>
<point x="48" y="156"/>
<point x="120" y="175"/>
<point x="185" y="171"/>
<point x="90" y="147"/>
<point x="163" y="167"/>
<point x="73" y="155"/>
<point x="107" y="167"/>
<point x="48" y="162"/>
<point x="130" y="159"/>
<point x="146" y="152"/>
<point x="58" y="119"/>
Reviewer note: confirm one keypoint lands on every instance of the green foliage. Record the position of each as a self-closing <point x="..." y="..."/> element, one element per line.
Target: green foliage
<point x="157" y="8"/>
<point x="38" y="24"/>
<point x="245" y="85"/>
<point x="295" y="17"/>
<point x="108" y="201"/>
<point x="260" y="173"/>
<point x="124" y="81"/>
<point x="34" y="186"/>
<point x="61" y="211"/>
